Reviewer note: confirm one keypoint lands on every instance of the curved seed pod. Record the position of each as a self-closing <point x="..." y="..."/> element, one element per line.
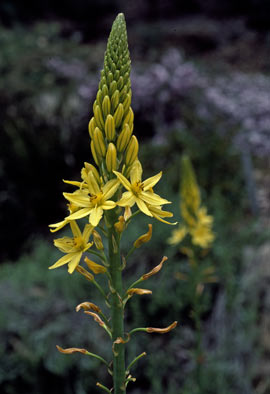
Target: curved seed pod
<point x="98" y="117"/>
<point x="123" y="138"/>
<point x="110" y="128"/>
<point x="111" y="158"/>
<point x="91" y="127"/>
<point x="132" y="151"/>
<point x="106" y="106"/>
<point x="115" y="100"/>
<point x="94" y="154"/>
<point x="118" y="115"/>
<point x="99" y="143"/>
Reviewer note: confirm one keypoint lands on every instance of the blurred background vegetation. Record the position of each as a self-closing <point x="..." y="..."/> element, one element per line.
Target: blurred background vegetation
<point x="201" y="86"/>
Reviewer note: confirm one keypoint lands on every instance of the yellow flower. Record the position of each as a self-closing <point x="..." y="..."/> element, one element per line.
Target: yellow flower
<point x="140" y="192"/>
<point x="178" y="235"/>
<point x="202" y="235"/>
<point x="93" y="199"/>
<point x="73" y="247"/>
<point x="158" y="214"/>
<point x="58" y="226"/>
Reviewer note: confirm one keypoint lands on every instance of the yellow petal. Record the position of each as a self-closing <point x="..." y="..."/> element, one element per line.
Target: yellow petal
<point x="151" y="182"/>
<point x="95" y="216"/>
<point x="153" y="199"/>
<point x="79" y="199"/>
<point x="92" y="184"/>
<point x="75" y="229"/>
<point x="108" y="205"/>
<point x="123" y="180"/>
<point x="58" y="225"/>
<point x="81" y="213"/>
<point x="127" y="200"/>
<point x="88" y="228"/>
<point x="143" y="207"/>
<point x="136" y="172"/>
<point x="65" y="244"/>
<point x="64" y="260"/>
<point x="74" y="183"/>
<point x="110" y="188"/>
<point x="74" y="262"/>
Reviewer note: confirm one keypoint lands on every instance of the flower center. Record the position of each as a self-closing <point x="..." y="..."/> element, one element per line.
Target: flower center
<point x="137" y="187"/>
<point x="95" y="199"/>
<point x="79" y="243"/>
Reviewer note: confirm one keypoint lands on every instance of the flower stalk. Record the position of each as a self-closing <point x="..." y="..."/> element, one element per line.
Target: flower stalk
<point x="105" y="196"/>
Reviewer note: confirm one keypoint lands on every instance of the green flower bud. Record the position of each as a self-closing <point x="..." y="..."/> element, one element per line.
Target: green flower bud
<point x="123" y="138"/>
<point x="132" y="151"/>
<point x="91" y="127"/>
<point x="115" y="100"/>
<point x="110" y="128"/>
<point x="106" y="106"/>
<point x="99" y="143"/>
<point x="118" y="115"/>
<point x="94" y="154"/>
<point x="111" y="158"/>
<point x="98" y="117"/>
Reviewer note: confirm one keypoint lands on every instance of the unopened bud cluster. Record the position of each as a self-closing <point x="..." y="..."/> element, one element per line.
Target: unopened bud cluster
<point x="111" y="127"/>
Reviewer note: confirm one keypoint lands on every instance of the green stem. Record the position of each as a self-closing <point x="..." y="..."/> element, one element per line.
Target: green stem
<point x="117" y="310"/>
<point x="134" y="361"/>
<point x="198" y="349"/>
<point x="98" y="357"/>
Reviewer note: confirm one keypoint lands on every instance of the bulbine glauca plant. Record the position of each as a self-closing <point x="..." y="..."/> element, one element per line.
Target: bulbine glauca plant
<point x="108" y="197"/>
<point x="194" y="235"/>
